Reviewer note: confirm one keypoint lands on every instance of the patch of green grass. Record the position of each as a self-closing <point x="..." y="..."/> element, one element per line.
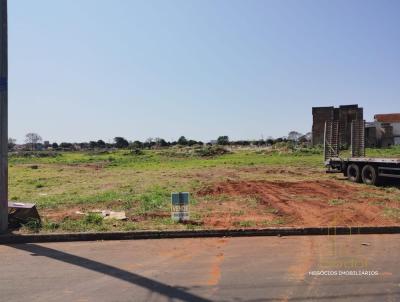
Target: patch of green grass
<point x="271" y="210"/>
<point x="369" y="195"/>
<point x="377" y="203"/>
<point x="251" y="201"/>
<point x="393" y="151"/>
<point x="50" y="226"/>
<point x="276" y="221"/>
<point x="216" y="198"/>
<point x="244" y="223"/>
<point x="156" y="199"/>
<point x="32" y="226"/>
<point x="393" y="213"/>
<point x="161" y="160"/>
<point x="94" y="218"/>
<point x="238" y="213"/>
<point x="129" y="226"/>
<point x="336" y="202"/>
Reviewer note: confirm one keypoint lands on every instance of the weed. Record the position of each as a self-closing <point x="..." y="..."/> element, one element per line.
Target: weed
<point x="33" y="225"/>
<point x="392" y="213"/>
<point x="94" y="218"/>
<point x="271" y="210"/>
<point x="238" y="213"/>
<point x="154" y="199"/>
<point x="50" y="225"/>
<point x="244" y="223"/>
<point x="377" y="203"/>
<point x="277" y="221"/>
<point x="336" y="202"/>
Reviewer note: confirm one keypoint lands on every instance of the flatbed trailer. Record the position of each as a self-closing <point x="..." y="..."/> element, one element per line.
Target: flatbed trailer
<point x="371" y="171"/>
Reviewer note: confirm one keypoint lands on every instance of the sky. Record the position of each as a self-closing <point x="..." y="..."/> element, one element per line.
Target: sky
<point x="83" y="70"/>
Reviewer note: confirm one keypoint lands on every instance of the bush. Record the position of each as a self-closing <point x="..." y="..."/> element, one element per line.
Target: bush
<point x="35" y="154"/>
<point x="33" y="225"/>
<point x="135" y="152"/>
<point x="98" y="152"/>
<point x="308" y="151"/>
<point x="211" y="151"/>
<point x="223" y="140"/>
<point x="94" y="218"/>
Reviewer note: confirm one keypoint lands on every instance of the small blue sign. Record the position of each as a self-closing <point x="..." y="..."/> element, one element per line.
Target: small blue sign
<point x="3" y="84"/>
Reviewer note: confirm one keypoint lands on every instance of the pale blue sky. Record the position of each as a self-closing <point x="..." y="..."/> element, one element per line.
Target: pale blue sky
<point x="90" y="69"/>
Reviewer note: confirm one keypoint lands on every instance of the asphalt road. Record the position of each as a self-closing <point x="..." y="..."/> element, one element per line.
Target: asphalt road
<point x="215" y="269"/>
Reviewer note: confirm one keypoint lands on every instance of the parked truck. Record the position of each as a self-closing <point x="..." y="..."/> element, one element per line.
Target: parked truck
<point x="357" y="167"/>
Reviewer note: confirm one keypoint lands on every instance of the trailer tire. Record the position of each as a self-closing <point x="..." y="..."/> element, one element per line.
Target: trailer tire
<point x="369" y="175"/>
<point x="353" y="173"/>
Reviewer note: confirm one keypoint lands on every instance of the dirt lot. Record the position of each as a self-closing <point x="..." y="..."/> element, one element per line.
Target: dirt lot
<point x="304" y="203"/>
<point x="249" y="197"/>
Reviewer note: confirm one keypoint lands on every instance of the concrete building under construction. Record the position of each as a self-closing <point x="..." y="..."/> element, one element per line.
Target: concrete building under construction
<point x="344" y="114"/>
<point x="384" y="131"/>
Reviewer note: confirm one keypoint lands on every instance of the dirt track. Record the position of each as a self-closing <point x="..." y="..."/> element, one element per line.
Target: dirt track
<point x="308" y="203"/>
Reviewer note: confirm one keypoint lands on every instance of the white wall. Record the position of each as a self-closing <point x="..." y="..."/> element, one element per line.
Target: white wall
<point x="396" y="129"/>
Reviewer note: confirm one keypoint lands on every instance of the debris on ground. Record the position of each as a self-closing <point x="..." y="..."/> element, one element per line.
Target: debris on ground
<point x="20" y="213"/>
<point x="107" y="214"/>
<point x="114" y="215"/>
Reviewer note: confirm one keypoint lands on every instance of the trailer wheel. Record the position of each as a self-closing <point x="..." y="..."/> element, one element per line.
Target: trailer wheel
<point x="369" y="175"/>
<point x="353" y="173"/>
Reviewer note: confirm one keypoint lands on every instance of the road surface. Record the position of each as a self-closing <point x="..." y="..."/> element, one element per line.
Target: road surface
<point x="303" y="268"/>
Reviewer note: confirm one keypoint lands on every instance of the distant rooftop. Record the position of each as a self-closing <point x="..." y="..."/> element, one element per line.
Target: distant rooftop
<point x="388" y="118"/>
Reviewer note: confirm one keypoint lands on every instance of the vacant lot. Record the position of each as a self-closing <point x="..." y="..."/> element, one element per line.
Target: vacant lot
<point x="241" y="189"/>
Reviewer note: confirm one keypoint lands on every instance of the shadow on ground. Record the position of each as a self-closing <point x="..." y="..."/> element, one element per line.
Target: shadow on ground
<point x="151" y="285"/>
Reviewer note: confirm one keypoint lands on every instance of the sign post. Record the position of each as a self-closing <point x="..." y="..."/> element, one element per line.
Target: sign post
<point x="180" y="206"/>
<point x="3" y="118"/>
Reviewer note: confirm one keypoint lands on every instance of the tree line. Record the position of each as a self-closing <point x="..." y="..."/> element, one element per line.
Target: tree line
<point x="34" y="142"/>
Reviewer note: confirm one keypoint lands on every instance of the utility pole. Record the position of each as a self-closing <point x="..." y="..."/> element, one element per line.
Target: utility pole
<point x="3" y="118"/>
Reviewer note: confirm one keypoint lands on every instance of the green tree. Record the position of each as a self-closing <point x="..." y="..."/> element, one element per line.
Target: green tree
<point x="11" y="143"/>
<point x="101" y="144"/>
<point x="136" y="145"/>
<point x="33" y="139"/>
<point x="182" y="141"/>
<point x="93" y="144"/>
<point x="223" y="140"/>
<point x="121" y="142"/>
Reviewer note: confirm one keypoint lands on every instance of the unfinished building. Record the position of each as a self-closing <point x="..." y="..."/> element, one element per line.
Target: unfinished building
<point x="384" y="131"/>
<point x="344" y="114"/>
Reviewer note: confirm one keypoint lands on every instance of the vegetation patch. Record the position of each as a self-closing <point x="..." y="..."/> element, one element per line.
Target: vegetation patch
<point x="392" y="213"/>
<point x="34" y="154"/>
<point x="156" y="199"/>
<point x="252" y="185"/>
<point x="336" y="202"/>
<point x="211" y="151"/>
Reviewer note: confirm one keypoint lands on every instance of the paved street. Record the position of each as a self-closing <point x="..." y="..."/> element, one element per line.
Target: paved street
<point x="215" y="269"/>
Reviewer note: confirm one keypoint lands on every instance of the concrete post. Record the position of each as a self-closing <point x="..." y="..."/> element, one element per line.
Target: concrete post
<point x="3" y="118"/>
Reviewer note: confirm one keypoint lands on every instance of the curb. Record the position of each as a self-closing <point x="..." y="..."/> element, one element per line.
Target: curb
<point x="69" y="237"/>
